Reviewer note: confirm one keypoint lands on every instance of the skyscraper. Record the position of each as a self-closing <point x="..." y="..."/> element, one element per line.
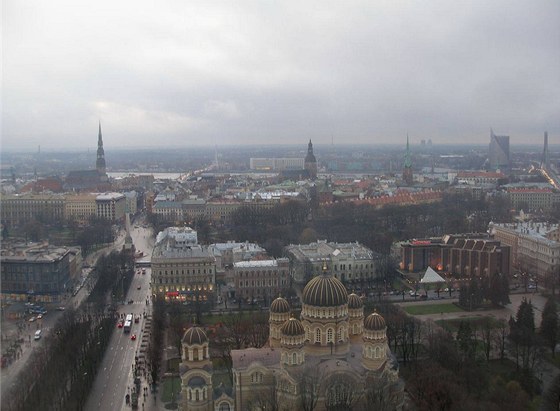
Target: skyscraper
<point x="498" y="152"/>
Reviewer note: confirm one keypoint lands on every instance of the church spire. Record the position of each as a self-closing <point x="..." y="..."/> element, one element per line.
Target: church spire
<point x="100" y="163"/>
<point x="407" y="160"/>
<point x="407" y="176"/>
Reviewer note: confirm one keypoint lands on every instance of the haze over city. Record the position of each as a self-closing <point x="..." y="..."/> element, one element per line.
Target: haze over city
<point x="222" y="73"/>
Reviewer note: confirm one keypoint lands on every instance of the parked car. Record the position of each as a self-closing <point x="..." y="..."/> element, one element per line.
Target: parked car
<point x="133" y="337"/>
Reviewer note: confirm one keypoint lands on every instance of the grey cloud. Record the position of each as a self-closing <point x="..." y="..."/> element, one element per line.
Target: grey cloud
<point x="246" y="72"/>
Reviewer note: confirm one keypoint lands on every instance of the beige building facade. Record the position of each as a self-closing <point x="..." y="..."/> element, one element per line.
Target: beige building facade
<point x="535" y="247"/>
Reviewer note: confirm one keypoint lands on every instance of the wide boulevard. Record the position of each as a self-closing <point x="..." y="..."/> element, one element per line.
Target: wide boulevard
<point x="115" y="376"/>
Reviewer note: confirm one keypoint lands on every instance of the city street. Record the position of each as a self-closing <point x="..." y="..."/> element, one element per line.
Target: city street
<point x="8" y="376"/>
<point x="115" y="376"/>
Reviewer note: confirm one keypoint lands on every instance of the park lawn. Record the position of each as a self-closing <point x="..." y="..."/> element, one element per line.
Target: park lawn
<point x="432" y="309"/>
<point x="169" y="384"/>
<point x="476" y="323"/>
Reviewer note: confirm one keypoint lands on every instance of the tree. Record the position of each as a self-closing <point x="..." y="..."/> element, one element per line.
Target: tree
<point x="524" y="344"/>
<point x="549" y="325"/>
<point x="466" y="341"/>
<point x="498" y="291"/>
<point x="486" y="334"/>
<point x="551" y="398"/>
<point x="377" y="396"/>
<point x="307" y="236"/>
<point x="308" y="385"/>
<point x="341" y="394"/>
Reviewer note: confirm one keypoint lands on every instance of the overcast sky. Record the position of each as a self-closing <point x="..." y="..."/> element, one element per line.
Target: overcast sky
<point x="183" y="72"/>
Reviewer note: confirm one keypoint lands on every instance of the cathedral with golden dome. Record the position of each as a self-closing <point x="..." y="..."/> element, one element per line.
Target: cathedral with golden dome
<point x="331" y="358"/>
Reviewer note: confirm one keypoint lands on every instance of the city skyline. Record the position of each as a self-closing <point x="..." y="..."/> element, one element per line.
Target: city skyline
<point x="252" y="73"/>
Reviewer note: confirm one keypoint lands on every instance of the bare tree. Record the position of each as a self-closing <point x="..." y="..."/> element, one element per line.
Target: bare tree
<point x="500" y="337"/>
<point x="377" y="396"/>
<point x="486" y="337"/>
<point x="308" y="386"/>
<point x="265" y="400"/>
<point x="258" y="330"/>
<point x="341" y="394"/>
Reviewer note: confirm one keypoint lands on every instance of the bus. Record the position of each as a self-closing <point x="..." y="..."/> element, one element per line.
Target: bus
<point x="127" y="323"/>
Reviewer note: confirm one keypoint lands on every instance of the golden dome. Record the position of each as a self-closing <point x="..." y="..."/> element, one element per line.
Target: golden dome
<point x="325" y="291"/>
<point x="195" y="335"/>
<point x="280" y="306"/>
<point x="292" y="327"/>
<point x="374" y="322"/>
<point x="354" y="301"/>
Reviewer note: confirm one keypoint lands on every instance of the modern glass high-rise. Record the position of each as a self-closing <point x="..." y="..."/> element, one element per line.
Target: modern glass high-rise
<point x="498" y="152"/>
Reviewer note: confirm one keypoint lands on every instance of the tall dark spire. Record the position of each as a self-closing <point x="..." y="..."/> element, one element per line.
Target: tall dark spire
<point x="545" y="158"/>
<point x="100" y="163"/>
<point x="310" y="162"/>
<point x="407" y="160"/>
<point x="408" y="176"/>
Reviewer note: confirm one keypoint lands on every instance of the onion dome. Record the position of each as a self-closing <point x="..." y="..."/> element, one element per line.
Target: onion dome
<point x="374" y="322"/>
<point x="195" y="335"/>
<point x="354" y="301"/>
<point x="325" y="291"/>
<point x="292" y="327"/>
<point x="280" y="306"/>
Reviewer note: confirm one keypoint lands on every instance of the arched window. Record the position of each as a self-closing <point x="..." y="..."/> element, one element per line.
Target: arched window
<point x="330" y="335"/>
<point x="196" y="395"/>
<point x="318" y="335"/>
<point x="355" y="329"/>
<point x="377" y="352"/>
<point x="294" y="358"/>
<point x="224" y="406"/>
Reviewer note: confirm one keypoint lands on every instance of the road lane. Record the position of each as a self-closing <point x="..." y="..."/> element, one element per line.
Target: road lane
<point x="115" y="378"/>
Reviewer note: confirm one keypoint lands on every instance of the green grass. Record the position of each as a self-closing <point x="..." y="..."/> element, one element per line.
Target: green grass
<point x="170" y="384"/>
<point x="476" y="323"/>
<point x="432" y="309"/>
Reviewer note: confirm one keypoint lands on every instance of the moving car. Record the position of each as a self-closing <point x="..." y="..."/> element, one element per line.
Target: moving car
<point x="37" y="335"/>
<point x="133" y="337"/>
<point x="120" y="324"/>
